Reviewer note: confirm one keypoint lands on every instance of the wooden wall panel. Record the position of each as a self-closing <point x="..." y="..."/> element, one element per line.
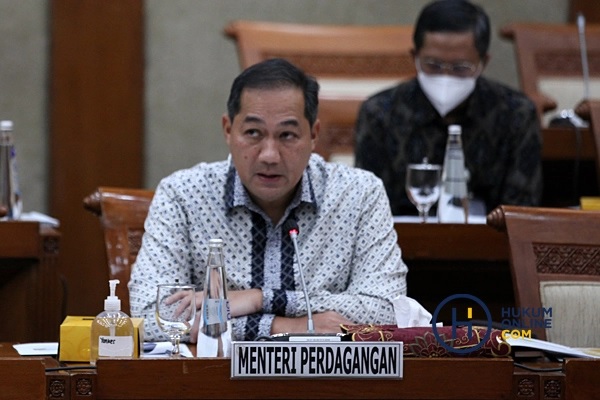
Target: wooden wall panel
<point x="96" y="114"/>
<point x="589" y="8"/>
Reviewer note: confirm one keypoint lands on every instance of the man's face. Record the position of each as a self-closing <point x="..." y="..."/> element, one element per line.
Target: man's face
<point x="270" y="141"/>
<point x="450" y="53"/>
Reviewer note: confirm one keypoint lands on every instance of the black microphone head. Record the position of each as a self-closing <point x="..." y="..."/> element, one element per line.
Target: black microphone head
<point x="291" y="226"/>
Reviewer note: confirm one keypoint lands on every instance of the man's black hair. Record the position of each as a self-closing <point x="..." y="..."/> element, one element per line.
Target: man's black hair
<point x="273" y="74"/>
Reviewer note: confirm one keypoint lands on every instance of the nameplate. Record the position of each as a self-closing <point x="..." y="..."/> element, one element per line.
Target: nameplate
<point x="362" y="360"/>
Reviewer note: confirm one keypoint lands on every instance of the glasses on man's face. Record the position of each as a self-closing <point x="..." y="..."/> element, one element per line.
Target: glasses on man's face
<point x="436" y="67"/>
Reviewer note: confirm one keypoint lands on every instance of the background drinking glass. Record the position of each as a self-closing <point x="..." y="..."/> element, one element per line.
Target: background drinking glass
<point x="423" y="183"/>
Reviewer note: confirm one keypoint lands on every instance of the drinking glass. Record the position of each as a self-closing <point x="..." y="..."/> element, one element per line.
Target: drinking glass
<point x="423" y="184"/>
<point x="175" y="311"/>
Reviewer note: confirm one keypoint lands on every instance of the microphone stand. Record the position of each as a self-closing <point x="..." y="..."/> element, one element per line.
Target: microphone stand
<point x="309" y="320"/>
<point x="291" y="226"/>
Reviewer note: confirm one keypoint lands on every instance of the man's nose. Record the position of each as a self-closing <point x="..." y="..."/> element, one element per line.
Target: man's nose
<point x="269" y="152"/>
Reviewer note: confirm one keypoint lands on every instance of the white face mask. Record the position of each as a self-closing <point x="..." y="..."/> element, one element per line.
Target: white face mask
<point x="445" y="92"/>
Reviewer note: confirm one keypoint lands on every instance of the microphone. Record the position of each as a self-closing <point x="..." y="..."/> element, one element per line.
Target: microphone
<point x="291" y="227"/>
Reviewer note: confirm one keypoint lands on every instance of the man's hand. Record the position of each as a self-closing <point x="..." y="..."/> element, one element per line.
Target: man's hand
<point x="325" y="322"/>
<point x="583" y="110"/>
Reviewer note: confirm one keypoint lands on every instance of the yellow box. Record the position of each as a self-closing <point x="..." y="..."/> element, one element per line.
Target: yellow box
<point x="590" y="203"/>
<point x="75" y="338"/>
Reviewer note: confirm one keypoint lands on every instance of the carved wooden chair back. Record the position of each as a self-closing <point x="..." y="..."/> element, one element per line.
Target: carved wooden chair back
<point x="555" y="263"/>
<point x="122" y="212"/>
<point x="351" y="62"/>
<point x="550" y="65"/>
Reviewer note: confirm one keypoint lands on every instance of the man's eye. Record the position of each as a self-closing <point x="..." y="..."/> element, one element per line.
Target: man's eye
<point x="252" y="132"/>
<point x="434" y="66"/>
<point x="461" y="69"/>
<point x="288" y="135"/>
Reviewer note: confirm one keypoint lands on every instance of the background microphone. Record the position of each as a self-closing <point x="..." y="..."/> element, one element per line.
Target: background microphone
<point x="291" y="227"/>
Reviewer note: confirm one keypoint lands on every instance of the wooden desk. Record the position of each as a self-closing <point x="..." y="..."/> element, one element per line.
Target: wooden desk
<point x="569" y="167"/>
<point x="31" y="294"/>
<point x="192" y="378"/>
<point x="447" y="259"/>
<point x="22" y="378"/>
<point x="424" y="378"/>
<point x="561" y="144"/>
<point x="195" y="379"/>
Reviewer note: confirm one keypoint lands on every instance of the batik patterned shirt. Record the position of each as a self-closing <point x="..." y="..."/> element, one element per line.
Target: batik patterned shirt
<point x="348" y="246"/>
<point x="500" y="135"/>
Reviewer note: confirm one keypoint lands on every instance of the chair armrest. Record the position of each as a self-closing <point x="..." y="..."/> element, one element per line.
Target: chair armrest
<point x="92" y="203"/>
<point x="496" y="219"/>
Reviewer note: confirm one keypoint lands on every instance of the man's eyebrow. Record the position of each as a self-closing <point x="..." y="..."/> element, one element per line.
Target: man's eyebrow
<point x="253" y="118"/>
<point x="286" y="122"/>
<point x="289" y="122"/>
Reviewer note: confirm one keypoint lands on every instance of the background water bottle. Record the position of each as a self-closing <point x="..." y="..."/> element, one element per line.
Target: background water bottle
<point x="10" y="196"/>
<point x="453" y="206"/>
<point x="214" y="334"/>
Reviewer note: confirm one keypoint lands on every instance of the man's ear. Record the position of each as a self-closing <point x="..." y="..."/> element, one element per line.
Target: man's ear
<point x="314" y="133"/>
<point x="485" y="60"/>
<point x="226" y="124"/>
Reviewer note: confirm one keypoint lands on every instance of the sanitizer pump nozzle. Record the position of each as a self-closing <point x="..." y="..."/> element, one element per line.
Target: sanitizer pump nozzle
<point x="112" y="302"/>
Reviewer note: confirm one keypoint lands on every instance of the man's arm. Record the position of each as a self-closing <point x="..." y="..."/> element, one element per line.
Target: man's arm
<point x="368" y="150"/>
<point x="524" y="180"/>
<point x="163" y="258"/>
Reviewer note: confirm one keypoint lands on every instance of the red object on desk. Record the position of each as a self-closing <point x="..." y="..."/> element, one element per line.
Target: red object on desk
<point x="422" y="342"/>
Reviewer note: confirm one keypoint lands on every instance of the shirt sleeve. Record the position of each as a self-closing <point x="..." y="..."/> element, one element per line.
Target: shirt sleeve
<point x="163" y="258"/>
<point x="524" y="178"/>
<point x="166" y="256"/>
<point x="368" y="151"/>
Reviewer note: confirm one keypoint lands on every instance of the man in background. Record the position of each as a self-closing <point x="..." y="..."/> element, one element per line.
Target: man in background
<point x="347" y="243"/>
<point x="500" y="129"/>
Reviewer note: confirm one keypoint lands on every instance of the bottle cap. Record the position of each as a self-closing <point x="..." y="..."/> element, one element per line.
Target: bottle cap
<point x="6" y="125"/>
<point x="112" y="302"/>
<point x="215" y="243"/>
<point x="454" y="130"/>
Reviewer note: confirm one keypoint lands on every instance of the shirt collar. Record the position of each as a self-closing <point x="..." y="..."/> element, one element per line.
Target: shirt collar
<point x="236" y="195"/>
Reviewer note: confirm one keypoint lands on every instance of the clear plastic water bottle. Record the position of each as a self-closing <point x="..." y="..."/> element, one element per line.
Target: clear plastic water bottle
<point x="10" y="196"/>
<point x="453" y="206"/>
<point x="215" y="331"/>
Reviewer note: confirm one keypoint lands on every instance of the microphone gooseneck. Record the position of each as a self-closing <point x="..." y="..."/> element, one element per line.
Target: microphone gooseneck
<point x="291" y="227"/>
<point x="584" y="60"/>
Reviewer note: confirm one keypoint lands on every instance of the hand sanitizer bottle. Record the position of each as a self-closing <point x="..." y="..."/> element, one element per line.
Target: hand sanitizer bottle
<point x="112" y="330"/>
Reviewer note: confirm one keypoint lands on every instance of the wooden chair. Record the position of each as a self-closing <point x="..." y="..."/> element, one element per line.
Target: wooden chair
<point x="555" y="263"/>
<point x="122" y="212"/>
<point x="351" y="62"/>
<point x="549" y="63"/>
<point x="338" y="120"/>
<point x="352" y="53"/>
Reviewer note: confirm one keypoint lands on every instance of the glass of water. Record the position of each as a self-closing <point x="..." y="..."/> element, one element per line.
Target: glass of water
<point x="423" y="184"/>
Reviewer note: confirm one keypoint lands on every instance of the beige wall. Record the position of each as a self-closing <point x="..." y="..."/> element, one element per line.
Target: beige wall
<point x="24" y="45"/>
<point x="190" y="66"/>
